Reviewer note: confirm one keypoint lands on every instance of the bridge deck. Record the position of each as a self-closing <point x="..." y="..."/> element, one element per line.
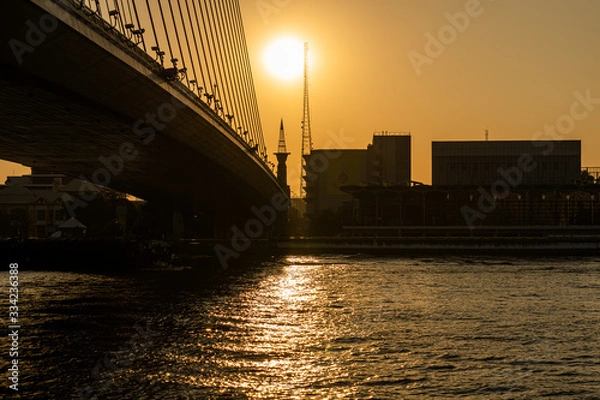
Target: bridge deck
<point x="81" y="94"/>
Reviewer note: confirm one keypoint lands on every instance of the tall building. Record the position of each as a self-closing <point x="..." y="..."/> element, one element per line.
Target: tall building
<point x="386" y="161"/>
<point x="389" y="159"/>
<point x="474" y="163"/>
<point x="327" y="172"/>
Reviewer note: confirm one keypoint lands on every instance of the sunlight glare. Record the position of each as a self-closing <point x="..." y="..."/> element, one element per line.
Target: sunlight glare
<point x="284" y="58"/>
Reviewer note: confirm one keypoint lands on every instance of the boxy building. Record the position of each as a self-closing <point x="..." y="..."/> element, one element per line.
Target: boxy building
<point x="389" y="159"/>
<point x="506" y="187"/>
<point x="327" y="171"/>
<point x="474" y="163"/>
<point x="386" y="161"/>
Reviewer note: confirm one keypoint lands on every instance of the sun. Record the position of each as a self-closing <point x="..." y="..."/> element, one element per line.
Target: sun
<point x="284" y="58"/>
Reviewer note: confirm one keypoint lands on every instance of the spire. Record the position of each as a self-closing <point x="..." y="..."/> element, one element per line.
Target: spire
<point x="281" y="148"/>
<point x="282" y="155"/>
<point x="306" y="133"/>
<point x="281" y="223"/>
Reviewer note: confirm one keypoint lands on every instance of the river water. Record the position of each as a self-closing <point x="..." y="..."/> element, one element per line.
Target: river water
<point x="329" y="327"/>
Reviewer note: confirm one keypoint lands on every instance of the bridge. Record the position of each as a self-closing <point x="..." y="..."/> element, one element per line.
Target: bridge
<point x="152" y="98"/>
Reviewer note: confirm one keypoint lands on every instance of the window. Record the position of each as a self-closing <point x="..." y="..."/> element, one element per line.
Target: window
<point x="41" y="215"/>
<point x="59" y="214"/>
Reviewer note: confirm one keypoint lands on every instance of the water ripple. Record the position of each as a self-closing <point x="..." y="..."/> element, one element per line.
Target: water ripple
<point x="318" y="327"/>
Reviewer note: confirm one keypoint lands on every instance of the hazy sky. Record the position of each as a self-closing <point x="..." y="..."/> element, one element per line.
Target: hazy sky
<point x="513" y="68"/>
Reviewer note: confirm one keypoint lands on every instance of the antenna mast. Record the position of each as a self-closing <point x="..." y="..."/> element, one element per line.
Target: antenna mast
<point x="306" y="134"/>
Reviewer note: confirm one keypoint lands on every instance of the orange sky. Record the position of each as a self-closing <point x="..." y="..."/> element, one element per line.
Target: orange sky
<point x="512" y="69"/>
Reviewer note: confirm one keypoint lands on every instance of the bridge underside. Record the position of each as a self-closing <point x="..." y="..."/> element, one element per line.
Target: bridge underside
<point x="56" y="131"/>
<point x="79" y="98"/>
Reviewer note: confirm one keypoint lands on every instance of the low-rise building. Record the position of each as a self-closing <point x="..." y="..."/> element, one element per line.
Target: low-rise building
<point x="29" y="213"/>
<point x="486" y="184"/>
<point x="389" y="159"/>
<point x="34" y="205"/>
<point x="327" y="171"/>
<point x="386" y="161"/>
<point x="554" y="162"/>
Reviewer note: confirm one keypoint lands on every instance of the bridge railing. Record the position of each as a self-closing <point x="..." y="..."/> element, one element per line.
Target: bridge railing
<point x="198" y="43"/>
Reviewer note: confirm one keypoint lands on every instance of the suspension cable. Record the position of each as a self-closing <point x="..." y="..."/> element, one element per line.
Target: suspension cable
<point x="210" y="43"/>
<point x="187" y="6"/>
<point x="178" y="41"/>
<point x="206" y="76"/>
<point x="230" y="63"/>
<point x="251" y="125"/>
<point x="246" y="59"/>
<point x="162" y="16"/>
<point x="210" y="57"/>
<point x="236" y="63"/>
<point x="188" y="42"/>
<point x="223" y="58"/>
<point x="137" y="17"/>
<point x="217" y="70"/>
<point x="153" y="27"/>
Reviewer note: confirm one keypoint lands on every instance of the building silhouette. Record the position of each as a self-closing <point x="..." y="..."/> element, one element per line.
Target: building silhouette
<point x="38" y="205"/>
<point x="482" y="162"/>
<point x="389" y="159"/>
<point x="508" y="188"/>
<point x="282" y="228"/>
<point x="386" y="161"/>
<point x="33" y="205"/>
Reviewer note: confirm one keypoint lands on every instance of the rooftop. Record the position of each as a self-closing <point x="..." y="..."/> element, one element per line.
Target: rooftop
<point x="387" y="133"/>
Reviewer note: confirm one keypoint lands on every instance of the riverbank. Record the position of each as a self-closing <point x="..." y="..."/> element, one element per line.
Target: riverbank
<point x="530" y="246"/>
<point x="116" y="255"/>
<point x="200" y="255"/>
<point x="71" y="254"/>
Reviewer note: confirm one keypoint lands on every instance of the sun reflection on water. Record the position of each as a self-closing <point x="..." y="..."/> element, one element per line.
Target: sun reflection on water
<point x="323" y="328"/>
<point x="284" y="337"/>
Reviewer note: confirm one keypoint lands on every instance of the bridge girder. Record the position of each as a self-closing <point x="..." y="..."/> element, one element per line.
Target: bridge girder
<point x="84" y="104"/>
